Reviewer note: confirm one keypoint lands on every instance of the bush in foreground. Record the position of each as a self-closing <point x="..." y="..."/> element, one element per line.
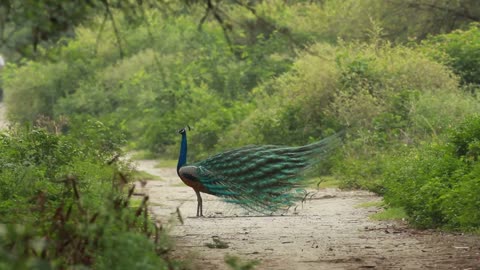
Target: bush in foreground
<point x="439" y="184"/>
<point x="63" y="203"/>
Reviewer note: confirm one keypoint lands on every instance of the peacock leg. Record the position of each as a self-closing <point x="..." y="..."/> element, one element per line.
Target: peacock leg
<point x="199" y="204"/>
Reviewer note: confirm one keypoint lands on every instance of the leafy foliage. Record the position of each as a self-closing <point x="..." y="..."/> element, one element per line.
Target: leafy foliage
<point x="63" y="203"/>
<point x="368" y="87"/>
<point x="398" y="21"/>
<point x="438" y="184"/>
<point x="459" y="50"/>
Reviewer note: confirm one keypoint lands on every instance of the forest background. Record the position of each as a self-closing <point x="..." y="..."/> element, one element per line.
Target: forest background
<point x="88" y="80"/>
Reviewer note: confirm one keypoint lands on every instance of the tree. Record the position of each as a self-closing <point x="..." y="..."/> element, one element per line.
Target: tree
<point x="24" y="25"/>
<point x="418" y="19"/>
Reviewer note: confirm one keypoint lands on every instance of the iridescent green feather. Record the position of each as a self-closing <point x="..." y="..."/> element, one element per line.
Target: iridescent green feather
<point x="262" y="178"/>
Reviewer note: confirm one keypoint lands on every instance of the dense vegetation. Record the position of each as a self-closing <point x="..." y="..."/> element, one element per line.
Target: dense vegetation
<point x="63" y="202"/>
<point x="404" y="86"/>
<point x="437" y="183"/>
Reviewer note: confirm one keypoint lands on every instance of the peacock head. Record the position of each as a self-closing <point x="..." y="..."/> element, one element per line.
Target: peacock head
<point x="184" y="130"/>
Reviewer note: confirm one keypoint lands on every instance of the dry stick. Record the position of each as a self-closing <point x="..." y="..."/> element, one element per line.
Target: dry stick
<point x="73" y="180"/>
<point x="157" y="234"/>
<point x="129" y="196"/>
<point x="145" y="220"/>
<point x="179" y="215"/>
<point x="130" y="192"/>
<point x="123" y="180"/>
<point x="320" y="182"/>
<point x="142" y="205"/>
<point x="113" y="159"/>
<point x="69" y="211"/>
<point x="139" y="210"/>
<point x="74" y="186"/>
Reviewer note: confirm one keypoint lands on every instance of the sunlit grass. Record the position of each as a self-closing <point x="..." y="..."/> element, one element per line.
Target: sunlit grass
<point x="393" y="213"/>
<point x="166" y="163"/>
<point x="370" y="204"/>
<point x="142" y="175"/>
<point x="236" y="263"/>
<point x="324" y="182"/>
<point x="142" y="154"/>
<point x="135" y="202"/>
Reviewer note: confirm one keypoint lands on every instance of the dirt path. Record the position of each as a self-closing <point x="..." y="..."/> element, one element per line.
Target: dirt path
<point x="328" y="232"/>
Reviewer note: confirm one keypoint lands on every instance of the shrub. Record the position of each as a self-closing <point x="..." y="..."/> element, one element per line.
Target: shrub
<point x="368" y="87"/>
<point x="438" y="184"/>
<point x="465" y="139"/>
<point x="63" y="202"/>
<point x="459" y="50"/>
<point x="290" y="108"/>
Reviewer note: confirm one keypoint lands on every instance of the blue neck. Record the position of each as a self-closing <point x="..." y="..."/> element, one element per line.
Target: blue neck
<point x="182" y="159"/>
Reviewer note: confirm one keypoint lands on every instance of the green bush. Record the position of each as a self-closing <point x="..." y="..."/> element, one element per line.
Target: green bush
<point x="391" y="98"/>
<point x="63" y="201"/>
<point x="360" y="169"/>
<point x="459" y="50"/>
<point x="438" y="184"/>
<point x="289" y="109"/>
<point x="368" y="87"/>
<point x="466" y="139"/>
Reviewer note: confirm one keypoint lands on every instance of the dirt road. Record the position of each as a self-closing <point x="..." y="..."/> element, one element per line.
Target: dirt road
<point x="328" y="232"/>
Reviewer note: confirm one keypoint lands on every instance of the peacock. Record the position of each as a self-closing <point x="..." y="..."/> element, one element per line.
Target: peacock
<point x="262" y="178"/>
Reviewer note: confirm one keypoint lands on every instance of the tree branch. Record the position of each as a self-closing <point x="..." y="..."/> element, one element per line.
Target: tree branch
<point x="100" y="31"/>
<point x="207" y="12"/>
<point x="114" y="25"/>
<point x="465" y="14"/>
<point x="225" y="29"/>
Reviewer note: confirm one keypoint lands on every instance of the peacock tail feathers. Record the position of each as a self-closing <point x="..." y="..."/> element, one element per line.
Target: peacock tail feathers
<point x="262" y="178"/>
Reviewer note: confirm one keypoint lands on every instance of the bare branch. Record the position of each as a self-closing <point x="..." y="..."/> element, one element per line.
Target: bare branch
<point x="114" y="25"/>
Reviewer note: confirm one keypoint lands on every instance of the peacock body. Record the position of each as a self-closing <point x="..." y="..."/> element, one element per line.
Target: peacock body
<point x="263" y="178"/>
